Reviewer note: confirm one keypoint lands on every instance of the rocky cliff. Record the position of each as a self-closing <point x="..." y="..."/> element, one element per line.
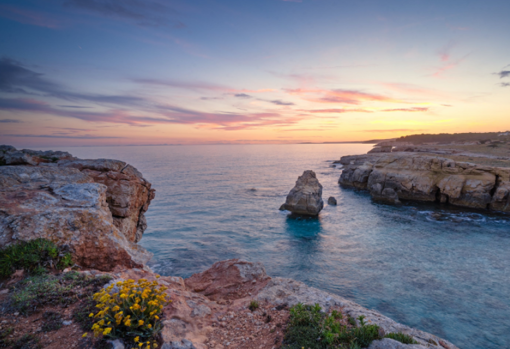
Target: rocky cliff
<point x="411" y="176"/>
<point x="95" y="206"/>
<point x="210" y="309"/>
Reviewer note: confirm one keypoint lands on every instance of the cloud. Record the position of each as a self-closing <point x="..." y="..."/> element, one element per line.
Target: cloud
<point x="120" y="109"/>
<point x="394" y="130"/>
<point x="448" y="66"/>
<point x="338" y="111"/>
<point x="166" y="115"/>
<point x="210" y="98"/>
<point x="10" y="121"/>
<point x="242" y="95"/>
<point x="445" y="51"/>
<point x="279" y="102"/>
<point x="412" y="110"/>
<point x="503" y="74"/>
<point x="16" y="78"/>
<point x="141" y="12"/>
<point x="505" y="84"/>
<point x="58" y="136"/>
<point x="339" y="96"/>
<point x="73" y="106"/>
<point x="197" y="86"/>
<point x="28" y="17"/>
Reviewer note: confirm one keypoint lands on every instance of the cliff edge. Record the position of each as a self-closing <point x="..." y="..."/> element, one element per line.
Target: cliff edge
<point x="96" y="207"/>
<point x="411" y="176"/>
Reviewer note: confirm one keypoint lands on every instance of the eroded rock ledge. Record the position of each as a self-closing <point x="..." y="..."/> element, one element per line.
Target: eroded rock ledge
<point x="210" y="309"/>
<point x="410" y="176"/>
<point x="96" y="207"/>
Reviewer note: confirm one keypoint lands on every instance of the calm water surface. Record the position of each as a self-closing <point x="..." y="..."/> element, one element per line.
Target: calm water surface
<point x="440" y="270"/>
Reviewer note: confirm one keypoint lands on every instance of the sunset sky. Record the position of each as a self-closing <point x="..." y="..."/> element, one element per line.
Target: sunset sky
<point x="113" y="72"/>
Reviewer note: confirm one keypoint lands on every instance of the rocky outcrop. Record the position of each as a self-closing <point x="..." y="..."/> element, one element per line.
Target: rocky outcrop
<point x="95" y="206"/>
<point x="210" y="309"/>
<point x="306" y="196"/>
<point x="332" y="201"/>
<point x="230" y="279"/>
<point x="381" y="149"/>
<point x="281" y="291"/>
<point x="396" y="177"/>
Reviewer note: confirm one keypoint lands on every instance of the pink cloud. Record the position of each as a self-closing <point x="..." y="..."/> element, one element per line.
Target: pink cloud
<point x="339" y="96"/>
<point x="199" y="85"/>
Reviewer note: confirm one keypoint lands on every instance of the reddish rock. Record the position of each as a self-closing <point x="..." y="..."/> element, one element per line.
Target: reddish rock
<point x="229" y="280"/>
<point x="95" y="206"/>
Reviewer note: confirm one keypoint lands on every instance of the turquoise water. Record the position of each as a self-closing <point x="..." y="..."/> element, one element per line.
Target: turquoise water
<point x="441" y="270"/>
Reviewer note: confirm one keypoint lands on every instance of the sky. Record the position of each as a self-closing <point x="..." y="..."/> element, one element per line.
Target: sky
<point x="124" y="72"/>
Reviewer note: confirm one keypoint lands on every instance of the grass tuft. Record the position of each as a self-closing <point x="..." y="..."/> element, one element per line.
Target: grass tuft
<point x="34" y="256"/>
<point x="402" y="338"/>
<point x="254" y="305"/>
<point x="310" y="328"/>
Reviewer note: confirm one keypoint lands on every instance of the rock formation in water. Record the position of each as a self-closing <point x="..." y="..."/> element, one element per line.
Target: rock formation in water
<point x="306" y="196"/>
<point x="332" y="201"/>
<point x="394" y="177"/>
<point x="95" y="206"/>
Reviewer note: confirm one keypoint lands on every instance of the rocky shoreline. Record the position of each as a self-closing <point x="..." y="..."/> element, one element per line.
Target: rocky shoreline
<point x="96" y="208"/>
<point x="392" y="177"/>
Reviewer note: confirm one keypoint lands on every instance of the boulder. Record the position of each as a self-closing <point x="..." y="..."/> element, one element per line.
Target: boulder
<point x="332" y="201"/>
<point x="306" y="196"/>
<point x="229" y="279"/>
<point x="96" y="207"/>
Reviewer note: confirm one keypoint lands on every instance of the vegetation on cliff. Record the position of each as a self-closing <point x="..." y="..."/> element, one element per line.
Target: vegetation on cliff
<point x="35" y="257"/>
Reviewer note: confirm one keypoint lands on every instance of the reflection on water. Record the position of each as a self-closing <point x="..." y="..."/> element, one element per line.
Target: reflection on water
<point x="442" y="270"/>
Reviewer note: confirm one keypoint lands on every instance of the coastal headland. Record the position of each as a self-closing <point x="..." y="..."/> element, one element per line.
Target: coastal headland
<point x="96" y="209"/>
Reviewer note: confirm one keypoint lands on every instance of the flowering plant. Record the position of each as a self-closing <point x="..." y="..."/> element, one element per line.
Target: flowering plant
<point x="130" y="311"/>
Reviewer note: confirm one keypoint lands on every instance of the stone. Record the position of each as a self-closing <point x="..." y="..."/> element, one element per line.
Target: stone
<point x="116" y="344"/>
<point x="306" y="196"/>
<point x="75" y="203"/>
<point x="332" y="201"/>
<point x="230" y="279"/>
<point x="429" y="178"/>
<point x="381" y="149"/>
<point x="282" y="291"/>
<point x="184" y="344"/>
<point x="388" y="343"/>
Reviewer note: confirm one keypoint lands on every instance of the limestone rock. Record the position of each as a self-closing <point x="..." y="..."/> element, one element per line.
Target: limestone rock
<point x="184" y="344"/>
<point x="128" y="193"/>
<point x="306" y="197"/>
<point x="396" y="176"/>
<point x="95" y="206"/>
<point x="332" y="201"/>
<point x="380" y="149"/>
<point x="282" y="291"/>
<point x="230" y="279"/>
<point x="388" y="343"/>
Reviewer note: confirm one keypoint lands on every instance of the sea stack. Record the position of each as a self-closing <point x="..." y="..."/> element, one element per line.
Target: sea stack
<point x="306" y="196"/>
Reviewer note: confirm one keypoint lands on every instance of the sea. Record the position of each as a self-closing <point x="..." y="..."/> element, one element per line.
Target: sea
<point x="440" y="269"/>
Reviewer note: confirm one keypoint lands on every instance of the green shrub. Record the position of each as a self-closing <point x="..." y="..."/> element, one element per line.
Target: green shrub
<point x="310" y="328"/>
<point x="34" y="256"/>
<point x="402" y="338"/>
<point x="254" y="305"/>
